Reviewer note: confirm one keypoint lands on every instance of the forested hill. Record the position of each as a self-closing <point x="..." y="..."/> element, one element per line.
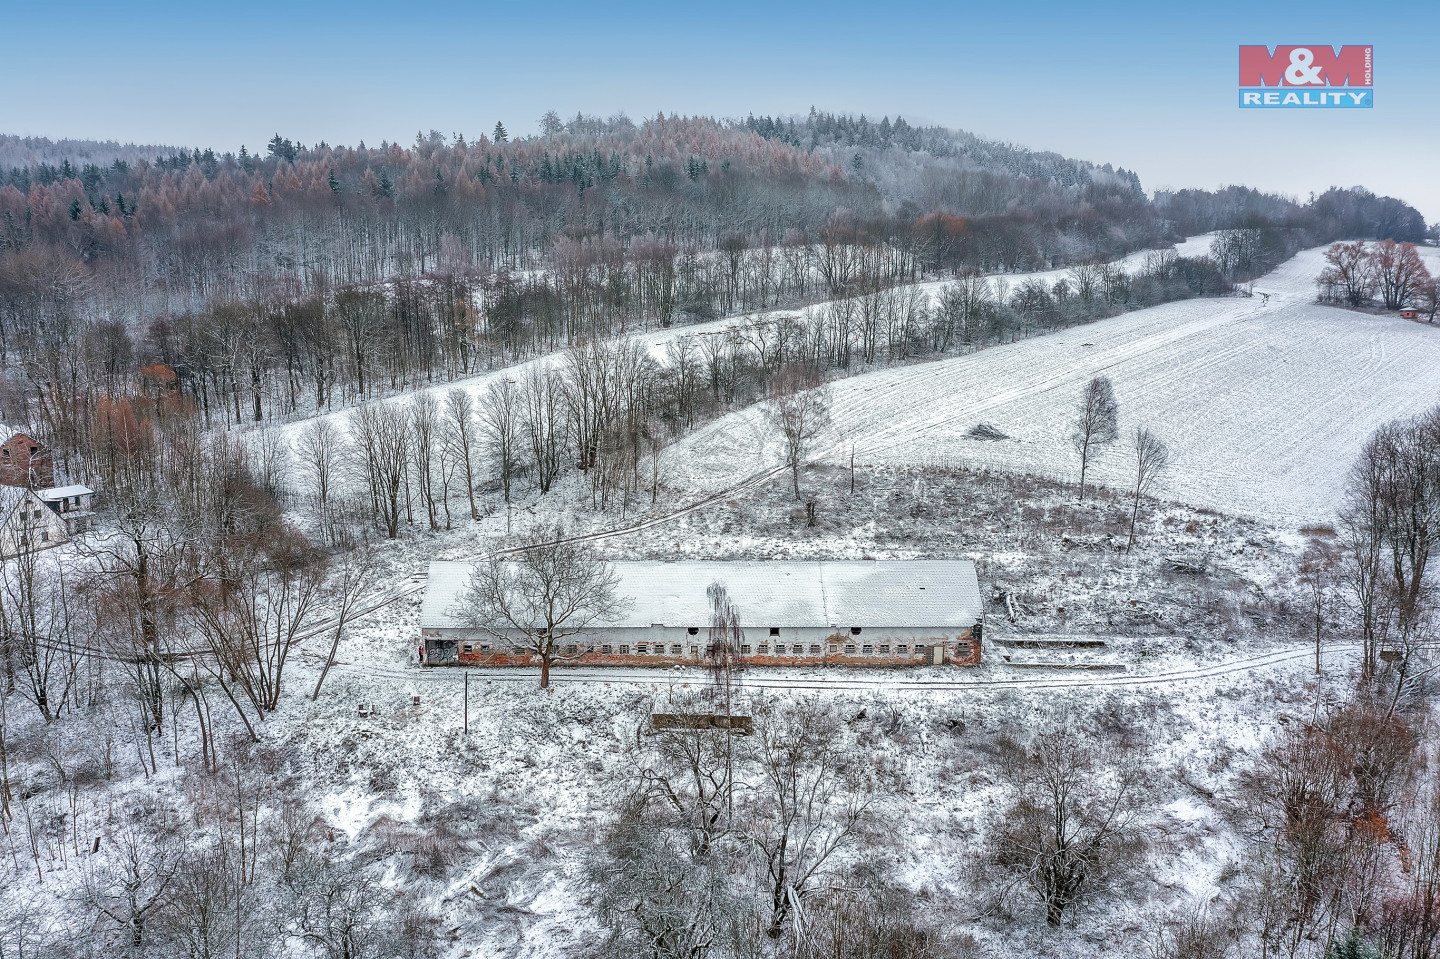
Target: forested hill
<point x="871" y="151"/>
<point x="183" y="230"/>
<point x="34" y="152"/>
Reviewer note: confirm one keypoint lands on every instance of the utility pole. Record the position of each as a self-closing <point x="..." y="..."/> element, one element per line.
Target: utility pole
<point x="467" y="703"/>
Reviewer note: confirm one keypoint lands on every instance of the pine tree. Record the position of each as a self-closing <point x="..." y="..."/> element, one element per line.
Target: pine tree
<point x="334" y="183"/>
<point x="500" y="135"/>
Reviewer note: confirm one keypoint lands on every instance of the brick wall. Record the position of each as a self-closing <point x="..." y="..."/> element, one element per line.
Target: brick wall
<point x="24" y="462"/>
<point x="964" y="651"/>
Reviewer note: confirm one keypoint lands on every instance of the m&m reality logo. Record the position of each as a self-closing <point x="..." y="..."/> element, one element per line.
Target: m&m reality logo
<point x="1310" y="76"/>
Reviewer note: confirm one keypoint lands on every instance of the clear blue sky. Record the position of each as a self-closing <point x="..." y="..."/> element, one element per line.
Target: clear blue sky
<point x="1147" y="86"/>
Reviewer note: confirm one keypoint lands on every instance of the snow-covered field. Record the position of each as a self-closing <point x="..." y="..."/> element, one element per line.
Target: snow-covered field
<point x="1264" y="401"/>
<point x="657" y="340"/>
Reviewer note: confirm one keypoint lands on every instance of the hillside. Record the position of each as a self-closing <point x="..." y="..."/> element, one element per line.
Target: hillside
<point x="1264" y="401"/>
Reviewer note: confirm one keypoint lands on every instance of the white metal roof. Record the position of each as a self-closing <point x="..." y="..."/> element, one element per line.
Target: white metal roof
<point x="62" y="492"/>
<point x="810" y="593"/>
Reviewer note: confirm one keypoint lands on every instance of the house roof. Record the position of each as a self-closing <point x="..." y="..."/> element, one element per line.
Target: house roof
<point x="811" y="593"/>
<point x="8" y="433"/>
<point x="63" y="492"/>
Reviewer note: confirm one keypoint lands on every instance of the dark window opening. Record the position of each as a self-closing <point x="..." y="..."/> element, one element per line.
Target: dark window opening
<point x="854" y="630"/>
<point x="693" y="630"/>
<point x="774" y="630"/>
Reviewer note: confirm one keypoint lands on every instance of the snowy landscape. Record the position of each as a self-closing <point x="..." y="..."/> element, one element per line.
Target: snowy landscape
<point x="1193" y="454"/>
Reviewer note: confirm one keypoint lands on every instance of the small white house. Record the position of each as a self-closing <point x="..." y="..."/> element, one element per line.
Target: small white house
<point x="840" y="612"/>
<point x="73" y="504"/>
<point x="27" y="522"/>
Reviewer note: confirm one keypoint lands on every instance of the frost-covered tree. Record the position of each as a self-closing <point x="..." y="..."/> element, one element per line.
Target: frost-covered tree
<point x="1075" y="796"/>
<point x="553" y="589"/>
<point x="799" y="410"/>
<point x="1152" y="457"/>
<point x="1098" y="422"/>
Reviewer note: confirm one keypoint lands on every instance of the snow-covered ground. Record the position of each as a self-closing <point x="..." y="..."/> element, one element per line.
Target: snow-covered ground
<point x="657" y="340"/>
<point x="1264" y="401"/>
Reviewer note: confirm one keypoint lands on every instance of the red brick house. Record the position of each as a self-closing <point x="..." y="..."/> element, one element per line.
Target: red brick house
<point x="24" y="461"/>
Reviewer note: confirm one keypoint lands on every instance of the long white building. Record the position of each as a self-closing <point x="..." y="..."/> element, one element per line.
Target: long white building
<point x="851" y="612"/>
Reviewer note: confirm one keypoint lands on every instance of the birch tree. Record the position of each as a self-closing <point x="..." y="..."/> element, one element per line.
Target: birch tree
<point x="1098" y="423"/>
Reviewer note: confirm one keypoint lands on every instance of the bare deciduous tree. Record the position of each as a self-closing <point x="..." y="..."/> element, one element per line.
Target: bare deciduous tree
<point x="461" y="438"/>
<point x="806" y="806"/>
<point x="800" y="410"/>
<point x="252" y="609"/>
<point x="1152" y="457"/>
<point x="319" y="447"/>
<point x="1391" y="526"/>
<point x="130" y="880"/>
<point x="1399" y="273"/>
<point x="1350" y="275"/>
<point x="500" y="421"/>
<point x="352" y="581"/>
<point x="1075" y="797"/>
<point x="425" y="440"/>
<point x="380" y="434"/>
<point x="553" y="589"/>
<point x="1098" y="423"/>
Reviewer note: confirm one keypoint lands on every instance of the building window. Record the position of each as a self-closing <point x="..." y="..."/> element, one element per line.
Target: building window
<point x="849" y="649"/>
<point x="854" y="630"/>
<point x="815" y="649"/>
<point x="867" y="650"/>
<point x="518" y="650"/>
<point x="764" y="649"/>
<point x="745" y="649"/>
<point x="774" y="630"/>
<point x="570" y="650"/>
<point x="624" y="650"/>
<point x="800" y="649"/>
<point x="643" y="649"/>
<point x="676" y="649"/>
<point x="902" y="649"/>
<point x="884" y="650"/>
<point x="465" y="648"/>
<point x="606" y="649"/>
<point x="45" y="537"/>
<point x="693" y="630"/>
<point x="834" y="650"/>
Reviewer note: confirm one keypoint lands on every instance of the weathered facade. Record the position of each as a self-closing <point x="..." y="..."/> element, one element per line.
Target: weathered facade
<point x="73" y="504"/>
<point x="23" y="460"/>
<point x="27" y="523"/>
<point x="857" y="613"/>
